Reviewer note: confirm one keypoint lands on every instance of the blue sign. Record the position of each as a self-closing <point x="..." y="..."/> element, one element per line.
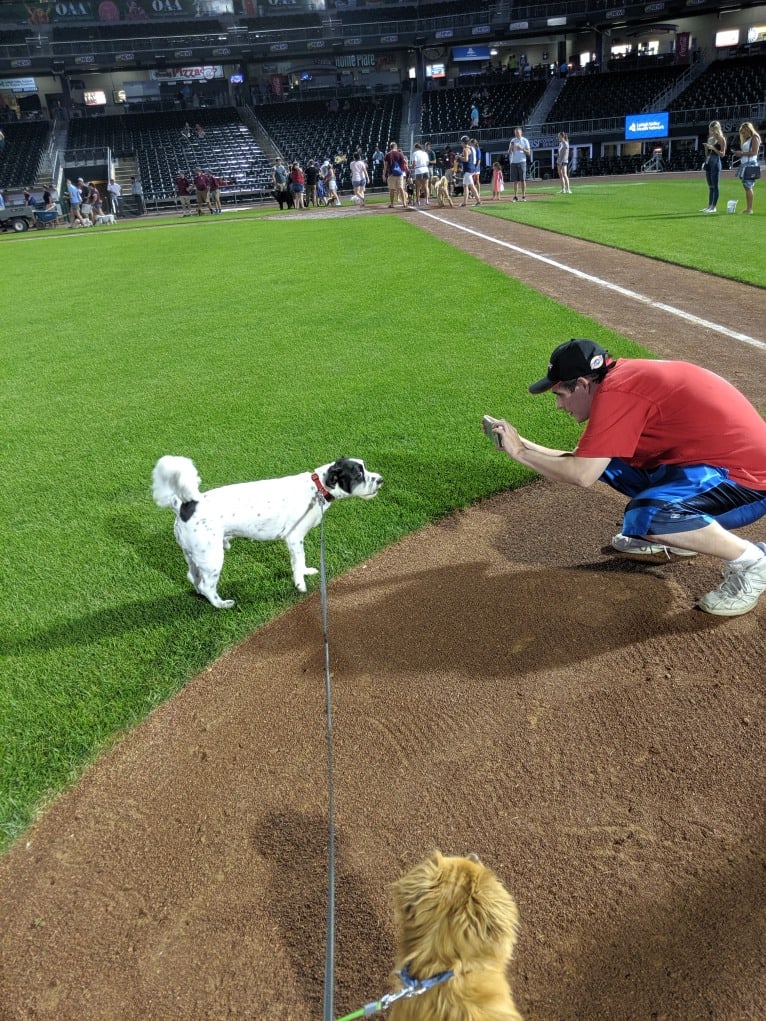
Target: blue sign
<point x="470" y="53"/>
<point x="646" y="125"/>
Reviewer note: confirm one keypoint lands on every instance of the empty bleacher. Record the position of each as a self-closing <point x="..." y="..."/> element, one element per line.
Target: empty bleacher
<point x="733" y="82"/>
<point x="449" y="110"/>
<point x="309" y="131"/>
<point x="228" y="148"/>
<point x="613" y="94"/>
<point x="22" y="152"/>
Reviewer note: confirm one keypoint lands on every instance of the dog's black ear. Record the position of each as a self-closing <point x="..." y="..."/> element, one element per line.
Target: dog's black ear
<point x="344" y="473"/>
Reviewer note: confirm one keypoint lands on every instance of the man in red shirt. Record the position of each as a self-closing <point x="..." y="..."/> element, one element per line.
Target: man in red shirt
<point x="183" y="191"/>
<point x="685" y="445"/>
<point x="201" y="187"/>
<point x="395" y="172"/>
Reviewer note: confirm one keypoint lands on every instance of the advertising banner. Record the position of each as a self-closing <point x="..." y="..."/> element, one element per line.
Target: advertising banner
<point x="470" y="53"/>
<point x="646" y="125"/>
<point x="112" y="11"/>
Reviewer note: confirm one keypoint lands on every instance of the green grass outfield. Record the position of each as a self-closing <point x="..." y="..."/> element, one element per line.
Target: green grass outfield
<point x="258" y="348"/>
<point x="655" y="215"/>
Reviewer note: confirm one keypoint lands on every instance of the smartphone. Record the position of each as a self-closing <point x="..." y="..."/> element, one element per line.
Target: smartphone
<point x="486" y="423"/>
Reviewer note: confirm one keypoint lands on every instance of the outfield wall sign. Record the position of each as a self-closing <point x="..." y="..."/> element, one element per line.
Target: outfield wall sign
<point x="646" y="125"/>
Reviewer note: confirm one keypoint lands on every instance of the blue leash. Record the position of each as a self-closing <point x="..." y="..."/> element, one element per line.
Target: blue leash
<point x="411" y="987"/>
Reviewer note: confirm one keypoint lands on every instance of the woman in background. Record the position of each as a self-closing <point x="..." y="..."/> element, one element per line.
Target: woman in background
<point x="563" y="163"/>
<point x="749" y="144"/>
<point x="715" y="150"/>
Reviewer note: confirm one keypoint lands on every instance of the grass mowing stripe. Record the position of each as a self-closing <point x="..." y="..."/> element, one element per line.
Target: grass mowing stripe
<point x="314" y="339"/>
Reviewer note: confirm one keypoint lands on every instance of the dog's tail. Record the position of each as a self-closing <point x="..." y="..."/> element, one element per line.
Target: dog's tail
<point x="174" y="482"/>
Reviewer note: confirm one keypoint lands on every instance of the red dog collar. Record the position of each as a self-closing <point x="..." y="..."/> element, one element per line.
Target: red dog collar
<point x="325" y="493"/>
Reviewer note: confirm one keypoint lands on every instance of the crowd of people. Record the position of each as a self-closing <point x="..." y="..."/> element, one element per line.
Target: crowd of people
<point x="204" y="187"/>
<point x="296" y="187"/>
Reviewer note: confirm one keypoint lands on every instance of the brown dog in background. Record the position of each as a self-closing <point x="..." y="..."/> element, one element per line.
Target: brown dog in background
<point x="442" y="192"/>
<point x="454" y="914"/>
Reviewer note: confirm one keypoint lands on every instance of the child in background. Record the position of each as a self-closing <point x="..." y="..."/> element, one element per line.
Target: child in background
<point x="497" y="181"/>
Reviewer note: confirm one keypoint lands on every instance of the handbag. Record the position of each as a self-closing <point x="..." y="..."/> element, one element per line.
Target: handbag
<point x="751" y="172"/>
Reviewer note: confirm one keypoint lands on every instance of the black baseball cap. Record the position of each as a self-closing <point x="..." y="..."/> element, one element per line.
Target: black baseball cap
<point x="570" y="360"/>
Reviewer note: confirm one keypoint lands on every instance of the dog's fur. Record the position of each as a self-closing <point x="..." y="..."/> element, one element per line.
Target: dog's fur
<point x="441" y="191"/>
<point x="286" y="508"/>
<point x="454" y="914"/>
<point x="284" y="198"/>
<point x="106" y="218"/>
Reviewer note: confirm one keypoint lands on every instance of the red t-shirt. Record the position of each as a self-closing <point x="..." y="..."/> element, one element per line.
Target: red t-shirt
<point x="651" y="413"/>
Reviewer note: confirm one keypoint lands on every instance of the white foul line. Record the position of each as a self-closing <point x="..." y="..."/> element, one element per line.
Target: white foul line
<point x="607" y="284"/>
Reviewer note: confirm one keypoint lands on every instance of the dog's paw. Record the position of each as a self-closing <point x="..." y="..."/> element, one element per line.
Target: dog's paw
<point x="311" y="570"/>
<point x="225" y="604"/>
<point x="301" y="585"/>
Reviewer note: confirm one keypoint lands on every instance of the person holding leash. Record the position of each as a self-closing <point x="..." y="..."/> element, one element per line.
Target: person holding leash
<point x="686" y="447"/>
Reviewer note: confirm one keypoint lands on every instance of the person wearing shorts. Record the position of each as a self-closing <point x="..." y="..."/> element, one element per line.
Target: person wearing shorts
<point x="468" y="162"/>
<point x="749" y="145"/>
<point x="395" y="172"/>
<point x="360" y="176"/>
<point x="518" y="152"/>
<point x="201" y="185"/>
<point x="683" y="444"/>
<point x="420" y="173"/>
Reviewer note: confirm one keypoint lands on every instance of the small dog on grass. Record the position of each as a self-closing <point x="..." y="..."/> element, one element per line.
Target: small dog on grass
<point x="106" y="218"/>
<point x="454" y="914"/>
<point x="442" y="193"/>
<point x="286" y="508"/>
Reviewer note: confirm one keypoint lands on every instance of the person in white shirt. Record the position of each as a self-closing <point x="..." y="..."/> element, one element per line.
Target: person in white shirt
<point x="137" y="190"/>
<point x="115" y="194"/>
<point x="360" y="176"/>
<point x="518" y="152"/>
<point x="421" y="172"/>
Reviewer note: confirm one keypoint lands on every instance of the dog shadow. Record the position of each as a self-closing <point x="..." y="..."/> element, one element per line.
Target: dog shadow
<point x="295" y="846"/>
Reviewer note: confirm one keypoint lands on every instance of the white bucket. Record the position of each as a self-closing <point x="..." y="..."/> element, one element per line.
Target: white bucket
<point x="731" y="206"/>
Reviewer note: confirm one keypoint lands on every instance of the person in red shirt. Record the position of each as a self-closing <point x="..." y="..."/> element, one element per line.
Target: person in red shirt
<point x="395" y="172"/>
<point x="298" y="185"/>
<point x="183" y="191"/>
<point x="214" y="185"/>
<point x="686" y="447"/>
<point x="201" y="187"/>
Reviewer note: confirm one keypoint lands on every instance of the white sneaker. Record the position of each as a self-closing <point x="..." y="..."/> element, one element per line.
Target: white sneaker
<point x="642" y="547"/>
<point x="739" y="591"/>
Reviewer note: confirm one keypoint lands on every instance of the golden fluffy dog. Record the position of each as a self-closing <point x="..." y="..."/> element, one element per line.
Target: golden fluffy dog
<point x="441" y="191"/>
<point x="454" y="914"/>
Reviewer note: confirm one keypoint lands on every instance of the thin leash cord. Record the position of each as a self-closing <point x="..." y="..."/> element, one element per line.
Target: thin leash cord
<point x="329" y="961"/>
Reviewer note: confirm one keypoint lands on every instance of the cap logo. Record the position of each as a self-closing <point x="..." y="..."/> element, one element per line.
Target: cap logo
<point x="596" y="362"/>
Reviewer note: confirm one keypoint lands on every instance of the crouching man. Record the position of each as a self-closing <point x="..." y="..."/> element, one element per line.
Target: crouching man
<point x="686" y="447"/>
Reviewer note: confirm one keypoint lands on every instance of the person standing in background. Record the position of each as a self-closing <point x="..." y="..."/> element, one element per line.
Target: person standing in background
<point x="749" y="145"/>
<point x="360" y="176"/>
<point x="114" y="191"/>
<point x="498" y="185"/>
<point x="137" y="190"/>
<point x="562" y="163"/>
<point x="519" y="152"/>
<point x="183" y="191"/>
<point x="715" y="150"/>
